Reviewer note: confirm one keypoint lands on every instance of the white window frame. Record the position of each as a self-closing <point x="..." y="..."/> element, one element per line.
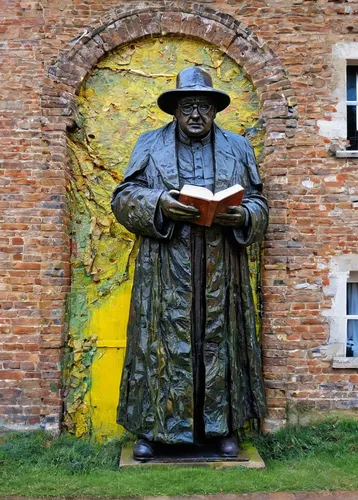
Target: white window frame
<point x="353" y="278"/>
<point x="335" y="126"/>
<point x="344" y="269"/>
<point x="354" y="103"/>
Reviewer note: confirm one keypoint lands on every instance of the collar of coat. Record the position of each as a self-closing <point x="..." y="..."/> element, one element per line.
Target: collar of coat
<point x="159" y="147"/>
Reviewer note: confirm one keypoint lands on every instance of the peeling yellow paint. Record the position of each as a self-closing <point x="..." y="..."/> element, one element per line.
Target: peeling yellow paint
<point x="109" y="322"/>
<point x="117" y="102"/>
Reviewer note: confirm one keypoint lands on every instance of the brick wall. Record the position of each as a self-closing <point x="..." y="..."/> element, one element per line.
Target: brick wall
<point x="313" y="216"/>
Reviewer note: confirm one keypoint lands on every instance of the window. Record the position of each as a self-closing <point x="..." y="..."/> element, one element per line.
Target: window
<point x="342" y="345"/>
<point x="352" y="105"/>
<point x="342" y="123"/>
<point x="352" y="315"/>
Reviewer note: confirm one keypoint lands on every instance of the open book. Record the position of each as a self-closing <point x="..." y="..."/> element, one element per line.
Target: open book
<point x="208" y="203"/>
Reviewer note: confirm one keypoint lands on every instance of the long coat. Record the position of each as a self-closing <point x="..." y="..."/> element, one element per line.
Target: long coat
<point x="156" y="396"/>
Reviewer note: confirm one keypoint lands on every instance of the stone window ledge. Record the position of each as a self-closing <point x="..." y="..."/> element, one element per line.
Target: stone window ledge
<point x="347" y="154"/>
<point x="340" y="362"/>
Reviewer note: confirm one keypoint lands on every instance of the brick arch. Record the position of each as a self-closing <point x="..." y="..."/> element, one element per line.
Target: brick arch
<point x="124" y="24"/>
<point x="131" y="22"/>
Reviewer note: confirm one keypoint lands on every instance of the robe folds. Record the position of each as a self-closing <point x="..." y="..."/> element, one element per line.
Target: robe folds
<point x="157" y="395"/>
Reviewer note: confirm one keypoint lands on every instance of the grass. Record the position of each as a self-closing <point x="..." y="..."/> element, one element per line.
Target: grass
<point x="322" y="456"/>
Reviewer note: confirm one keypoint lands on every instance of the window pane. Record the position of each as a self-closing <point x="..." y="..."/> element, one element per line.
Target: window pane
<point x="351" y="83"/>
<point x="352" y="338"/>
<point x="352" y="298"/>
<point x="352" y="127"/>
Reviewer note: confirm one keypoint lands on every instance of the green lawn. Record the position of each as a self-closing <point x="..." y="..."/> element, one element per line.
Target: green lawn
<point x="320" y="457"/>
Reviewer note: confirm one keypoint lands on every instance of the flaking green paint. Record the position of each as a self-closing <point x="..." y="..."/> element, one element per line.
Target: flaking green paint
<point x="117" y="102"/>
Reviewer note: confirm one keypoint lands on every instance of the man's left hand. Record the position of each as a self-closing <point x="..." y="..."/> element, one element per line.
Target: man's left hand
<point x="233" y="217"/>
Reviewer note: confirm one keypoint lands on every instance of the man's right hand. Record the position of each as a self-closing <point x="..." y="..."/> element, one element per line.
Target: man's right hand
<point x="175" y="210"/>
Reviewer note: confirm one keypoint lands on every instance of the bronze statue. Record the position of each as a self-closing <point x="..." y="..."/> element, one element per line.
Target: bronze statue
<point x="192" y="371"/>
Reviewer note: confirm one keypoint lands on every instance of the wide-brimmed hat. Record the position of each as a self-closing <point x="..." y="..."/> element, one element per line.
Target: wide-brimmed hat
<point x="194" y="80"/>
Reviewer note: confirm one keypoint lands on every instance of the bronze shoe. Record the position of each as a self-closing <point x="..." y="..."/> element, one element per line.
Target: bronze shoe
<point x="228" y="446"/>
<point x="143" y="450"/>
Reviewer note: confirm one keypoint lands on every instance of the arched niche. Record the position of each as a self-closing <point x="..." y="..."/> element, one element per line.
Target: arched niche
<point x="106" y="106"/>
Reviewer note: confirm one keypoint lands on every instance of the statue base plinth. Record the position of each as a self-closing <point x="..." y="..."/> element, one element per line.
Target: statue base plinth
<point x="186" y="456"/>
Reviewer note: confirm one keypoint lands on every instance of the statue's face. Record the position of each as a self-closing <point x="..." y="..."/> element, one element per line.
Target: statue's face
<point x="195" y="115"/>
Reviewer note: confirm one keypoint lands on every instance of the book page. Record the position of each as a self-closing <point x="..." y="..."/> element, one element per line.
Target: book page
<point x="197" y="192"/>
<point x="221" y="195"/>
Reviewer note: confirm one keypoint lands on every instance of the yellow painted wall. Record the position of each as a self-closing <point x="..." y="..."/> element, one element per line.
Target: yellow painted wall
<point x="117" y="103"/>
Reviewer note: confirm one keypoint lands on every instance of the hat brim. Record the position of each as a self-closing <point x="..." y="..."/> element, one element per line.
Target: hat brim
<point x="167" y="101"/>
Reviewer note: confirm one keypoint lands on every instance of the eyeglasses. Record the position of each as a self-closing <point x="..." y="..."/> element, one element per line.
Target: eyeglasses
<point x="202" y="107"/>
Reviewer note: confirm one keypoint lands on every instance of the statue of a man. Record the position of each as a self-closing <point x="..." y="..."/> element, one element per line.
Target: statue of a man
<point x="192" y="372"/>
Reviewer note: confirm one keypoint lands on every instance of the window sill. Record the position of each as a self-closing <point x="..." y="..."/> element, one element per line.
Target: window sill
<point x="340" y="362"/>
<point x="347" y="154"/>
